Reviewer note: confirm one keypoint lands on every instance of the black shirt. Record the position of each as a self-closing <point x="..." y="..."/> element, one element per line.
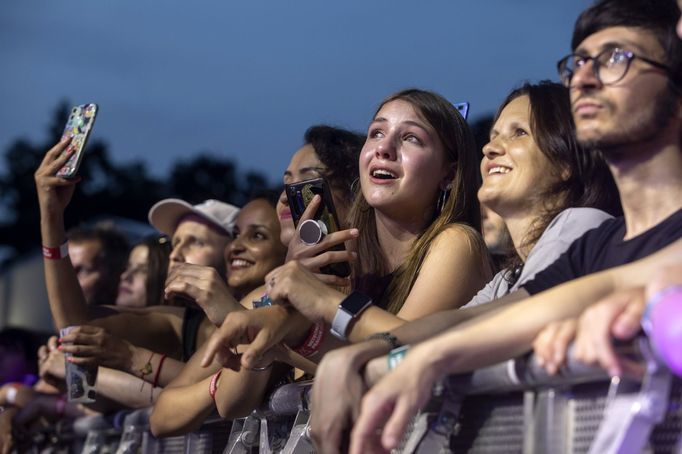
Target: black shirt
<point x="602" y="248"/>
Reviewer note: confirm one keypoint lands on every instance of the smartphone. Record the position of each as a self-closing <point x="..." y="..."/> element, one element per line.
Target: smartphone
<point x="463" y="108"/>
<point x="299" y="196"/>
<point x="78" y="127"/>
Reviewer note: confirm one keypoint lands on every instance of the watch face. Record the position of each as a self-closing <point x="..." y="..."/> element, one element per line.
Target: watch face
<point x="355" y="302"/>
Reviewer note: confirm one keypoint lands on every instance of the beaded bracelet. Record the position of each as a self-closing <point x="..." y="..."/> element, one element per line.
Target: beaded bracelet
<point x="387" y="337"/>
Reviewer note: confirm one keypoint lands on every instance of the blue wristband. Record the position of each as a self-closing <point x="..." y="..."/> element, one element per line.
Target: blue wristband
<point x="396" y="356"/>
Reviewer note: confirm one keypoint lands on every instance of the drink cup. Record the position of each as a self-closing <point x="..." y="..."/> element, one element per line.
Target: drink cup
<point x="80" y="380"/>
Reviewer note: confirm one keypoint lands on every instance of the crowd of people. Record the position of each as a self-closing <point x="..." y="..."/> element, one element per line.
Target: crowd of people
<point x="577" y="195"/>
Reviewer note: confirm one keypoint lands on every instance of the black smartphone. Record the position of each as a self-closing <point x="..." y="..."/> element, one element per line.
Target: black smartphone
<point x="299" y="196"/>
<point x="78" y="127"/>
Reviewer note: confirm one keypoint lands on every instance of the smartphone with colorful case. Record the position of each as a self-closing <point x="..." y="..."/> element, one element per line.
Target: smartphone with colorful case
<point x="78" y="127"/>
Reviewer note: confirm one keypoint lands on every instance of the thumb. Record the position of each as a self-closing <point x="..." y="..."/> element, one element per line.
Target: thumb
<point x="257" y="348"/>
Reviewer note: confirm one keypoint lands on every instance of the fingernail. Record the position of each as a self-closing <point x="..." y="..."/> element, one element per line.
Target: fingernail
<point x="61" y="347"/>
<point x="354" y="232"/>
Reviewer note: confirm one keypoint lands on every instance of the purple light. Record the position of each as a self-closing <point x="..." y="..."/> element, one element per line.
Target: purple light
<point x="665" y="316"/>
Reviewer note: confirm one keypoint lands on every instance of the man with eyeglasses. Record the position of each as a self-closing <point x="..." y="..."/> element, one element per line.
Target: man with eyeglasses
<point x="625" y="81"/>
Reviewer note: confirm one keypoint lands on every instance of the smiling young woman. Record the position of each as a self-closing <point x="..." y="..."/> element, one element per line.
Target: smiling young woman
<point x="256" y="248"/>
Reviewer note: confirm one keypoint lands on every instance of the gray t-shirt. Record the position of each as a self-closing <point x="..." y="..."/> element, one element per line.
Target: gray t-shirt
<point x="565" y="228"/>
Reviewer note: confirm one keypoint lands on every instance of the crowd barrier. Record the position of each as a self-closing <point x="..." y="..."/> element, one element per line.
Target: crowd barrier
<point x="510" y="407"/>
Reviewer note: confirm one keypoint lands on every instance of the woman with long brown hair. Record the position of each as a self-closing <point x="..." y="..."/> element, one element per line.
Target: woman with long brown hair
<point x="417" y="221"/>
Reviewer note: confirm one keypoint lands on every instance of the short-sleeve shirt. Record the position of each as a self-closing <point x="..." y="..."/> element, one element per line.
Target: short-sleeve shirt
<point x="605" y="247"/>
<point x="565" y="228"/>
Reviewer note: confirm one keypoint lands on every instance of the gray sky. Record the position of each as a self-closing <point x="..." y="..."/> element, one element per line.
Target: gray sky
<point x="245" y="79"/>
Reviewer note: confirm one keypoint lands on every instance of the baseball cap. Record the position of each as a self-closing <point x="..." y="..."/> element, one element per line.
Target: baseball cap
<point x="166" y="214"/>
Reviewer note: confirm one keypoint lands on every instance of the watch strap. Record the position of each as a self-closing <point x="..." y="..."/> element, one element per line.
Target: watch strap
<point x="352" y="306"/>
<point x="340" y="323"/>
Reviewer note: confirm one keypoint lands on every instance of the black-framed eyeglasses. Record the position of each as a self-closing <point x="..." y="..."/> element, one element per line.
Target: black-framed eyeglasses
<point x="608" y="66"/>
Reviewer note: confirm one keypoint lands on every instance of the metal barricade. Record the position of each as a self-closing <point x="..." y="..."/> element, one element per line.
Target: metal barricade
<point x="516" y="407"/>
<point x="284" y="413"/>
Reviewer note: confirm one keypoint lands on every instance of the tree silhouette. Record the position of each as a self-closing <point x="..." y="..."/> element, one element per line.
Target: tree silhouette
<point x="108" y="189"/>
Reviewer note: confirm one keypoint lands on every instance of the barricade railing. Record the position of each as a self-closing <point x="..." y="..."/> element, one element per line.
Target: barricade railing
<point x="513" y="406"/>
<point x="517" y="407"/>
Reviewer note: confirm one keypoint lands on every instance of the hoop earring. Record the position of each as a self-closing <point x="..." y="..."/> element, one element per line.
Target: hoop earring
<point x="442" y="199"/>
<point x="354" y="186"/>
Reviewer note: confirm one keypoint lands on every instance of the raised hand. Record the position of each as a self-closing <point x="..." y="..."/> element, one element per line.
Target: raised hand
<point x="261" y="329"/>
<point x="95" y="346"/>
<point x="551" y="345"/>
<point x="54" y="193"/>
<point x="393" y="402"/>
<point x="294" y="284"/>
<point x="314" y="257"/>
<point x="339" y="374"/>
<point x="203" y="285"/>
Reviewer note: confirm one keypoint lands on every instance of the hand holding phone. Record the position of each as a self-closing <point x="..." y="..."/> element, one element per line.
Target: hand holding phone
<point x="324" y="221"/>
<point x="78" y="128"/>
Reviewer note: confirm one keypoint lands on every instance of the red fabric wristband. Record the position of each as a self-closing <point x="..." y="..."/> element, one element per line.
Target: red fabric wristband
<point x="312" y="343"/>
<point x="56" y="253"/>
<point x="213" y="386"/>
<point x="158" y="371"/>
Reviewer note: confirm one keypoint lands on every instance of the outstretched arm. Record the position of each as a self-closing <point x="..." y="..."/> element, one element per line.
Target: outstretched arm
<point x="238" y="393"/>
<point x="94" y="346"/>
<point x="54" y="194"/>
<point x="67" y="303"/>
<point x="479" y="343"/>
<point x="293" y="284"/>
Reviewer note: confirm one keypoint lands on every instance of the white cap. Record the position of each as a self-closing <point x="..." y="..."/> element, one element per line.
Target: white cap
<point x="166" y="214"/>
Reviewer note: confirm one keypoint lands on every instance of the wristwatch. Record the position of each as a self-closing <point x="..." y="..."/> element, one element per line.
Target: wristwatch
<point x="350" y="307"/>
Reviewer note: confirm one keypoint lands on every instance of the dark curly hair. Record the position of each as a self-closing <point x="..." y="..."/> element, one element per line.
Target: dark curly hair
<point x="339" y="150"/>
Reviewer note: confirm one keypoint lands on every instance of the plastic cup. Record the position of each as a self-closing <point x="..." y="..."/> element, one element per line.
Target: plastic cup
<point x="80" y="380"/>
